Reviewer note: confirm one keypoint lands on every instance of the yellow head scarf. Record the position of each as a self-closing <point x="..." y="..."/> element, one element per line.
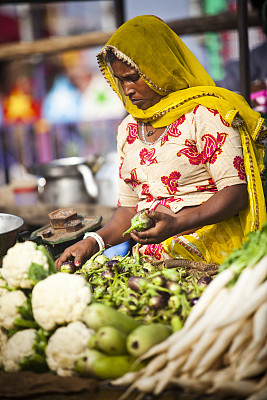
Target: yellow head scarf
<point x="165" y="63"/>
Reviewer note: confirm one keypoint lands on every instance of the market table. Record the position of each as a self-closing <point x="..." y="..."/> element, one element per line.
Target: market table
<point x="30" y="386"/>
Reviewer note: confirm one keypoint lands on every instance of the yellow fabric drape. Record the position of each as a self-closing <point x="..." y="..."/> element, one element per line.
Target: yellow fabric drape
<point x="165" y="63"/>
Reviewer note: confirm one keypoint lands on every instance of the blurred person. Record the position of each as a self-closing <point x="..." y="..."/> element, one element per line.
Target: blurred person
<point x="187" y="152"/>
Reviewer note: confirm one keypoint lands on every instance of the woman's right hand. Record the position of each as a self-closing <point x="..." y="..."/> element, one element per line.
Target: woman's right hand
<point x="78" y="252"/>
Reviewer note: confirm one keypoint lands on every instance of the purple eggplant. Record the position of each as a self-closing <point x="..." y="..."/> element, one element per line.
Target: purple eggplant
<point x="68" y="266"/>
<point x="204" y="280"/>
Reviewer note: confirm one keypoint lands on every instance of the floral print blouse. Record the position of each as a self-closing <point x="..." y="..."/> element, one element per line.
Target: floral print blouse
<point x="199" y="155"/>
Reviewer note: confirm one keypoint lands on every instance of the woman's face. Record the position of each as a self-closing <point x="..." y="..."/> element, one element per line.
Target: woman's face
<point x="139" y="93"/>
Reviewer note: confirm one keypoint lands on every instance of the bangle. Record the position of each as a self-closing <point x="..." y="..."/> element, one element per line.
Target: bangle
<point x="98" y="239"/>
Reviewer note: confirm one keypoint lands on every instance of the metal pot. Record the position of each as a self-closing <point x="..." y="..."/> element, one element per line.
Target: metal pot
<point x="9" y="229"/>
<point x="68" y="181"/>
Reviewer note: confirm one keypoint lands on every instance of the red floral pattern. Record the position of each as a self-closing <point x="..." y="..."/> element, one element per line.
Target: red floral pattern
<point x="240" y="167"/>
<point x="173" y="130"/>
<point x="211" y="187"/>
<point x="132" y="133"/>
<point x="120" y="167"/>
<point x="146" y="192"/>
<point x="171" y="181"/>
<point x="133" y="181"/>
<point x="191" y="152"/>
<point x="166" y="202"/>
<point x="154" y="250"/>
<point x="215" y="112"/>
<point x="147" y="157"/>
<point x="212" y="147"/>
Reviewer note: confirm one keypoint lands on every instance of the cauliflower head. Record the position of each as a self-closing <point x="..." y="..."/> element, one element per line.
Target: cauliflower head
<point x="60" y="299"/>
<point x="65" y="346"/>
<point x="25" y="263"/>
<point x="18" y="346"/>
<point x="3" y="342"/>
<point x="9" y="303"/>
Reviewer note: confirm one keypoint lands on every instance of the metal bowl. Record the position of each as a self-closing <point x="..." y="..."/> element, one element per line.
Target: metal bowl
<point x="9" y="229"/>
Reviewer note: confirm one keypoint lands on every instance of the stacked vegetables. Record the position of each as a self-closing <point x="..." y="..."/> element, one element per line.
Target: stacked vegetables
<point x="118" y="340"/>
<point x="222" y="347"/>
<point x="42" y="311"/>
<point x="138" y="288"/>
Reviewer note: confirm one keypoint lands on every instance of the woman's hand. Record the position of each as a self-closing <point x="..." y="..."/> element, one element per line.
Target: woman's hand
<point x="78" y="252"/>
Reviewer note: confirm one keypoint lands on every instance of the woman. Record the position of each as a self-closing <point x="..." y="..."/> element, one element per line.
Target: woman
<point x="187" y="151"/>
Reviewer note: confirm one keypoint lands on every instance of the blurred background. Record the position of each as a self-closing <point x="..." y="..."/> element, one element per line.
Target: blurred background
<point x="59" y="117"/>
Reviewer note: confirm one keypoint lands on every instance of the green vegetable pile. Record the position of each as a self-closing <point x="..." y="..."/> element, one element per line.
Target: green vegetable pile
<point x="118" y="341"/>
<point x="138" y="288"/>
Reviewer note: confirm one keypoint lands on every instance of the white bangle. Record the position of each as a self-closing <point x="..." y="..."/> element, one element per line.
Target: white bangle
<point x="97" y="237"/>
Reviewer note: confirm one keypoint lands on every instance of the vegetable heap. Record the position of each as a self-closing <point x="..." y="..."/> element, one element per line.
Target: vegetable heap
<point x="42" y="311"/>
<point x="221" y="348"/>
<point x="138" y="288"/>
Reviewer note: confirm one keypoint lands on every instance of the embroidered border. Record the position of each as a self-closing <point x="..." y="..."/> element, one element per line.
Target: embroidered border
<point x="255" y="222"/>
<point x="187" y="245"/>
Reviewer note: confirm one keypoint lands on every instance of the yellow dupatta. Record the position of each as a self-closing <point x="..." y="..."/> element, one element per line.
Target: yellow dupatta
<point x="165" y="63"/>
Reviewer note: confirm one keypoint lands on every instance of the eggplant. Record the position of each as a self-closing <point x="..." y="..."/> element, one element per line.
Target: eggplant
<point x="137" y="284"/>
<point x="194" y="301"/>
<point x="204" y="280"/>
<point x="107" y="274"/>
<point x="68" y="266"/>
<point x="159" y="280"/>
<point x="156" y="302"/>
<point x="140" y="222"/>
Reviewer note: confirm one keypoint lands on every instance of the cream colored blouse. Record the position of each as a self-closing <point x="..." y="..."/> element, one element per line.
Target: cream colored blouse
<point x="199" y="155"/>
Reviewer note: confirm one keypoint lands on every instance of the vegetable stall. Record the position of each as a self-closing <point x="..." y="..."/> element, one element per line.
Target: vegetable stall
<point x="129" y="329"/>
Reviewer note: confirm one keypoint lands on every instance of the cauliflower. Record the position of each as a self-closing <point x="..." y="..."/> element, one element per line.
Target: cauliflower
<point x="65" y="346"/>
<point x="3" y="285"/>
<point x="17" y="347"/>
<point x="25" y="350"/>
<point x="25" y="264"/>
<point x="9" y="303"/>
<point x="3" y="342"/>
<point x="60" y="299"/>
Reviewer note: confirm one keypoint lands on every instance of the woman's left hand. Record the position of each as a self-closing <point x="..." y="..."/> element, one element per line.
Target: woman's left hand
<point x="165" y="227"/>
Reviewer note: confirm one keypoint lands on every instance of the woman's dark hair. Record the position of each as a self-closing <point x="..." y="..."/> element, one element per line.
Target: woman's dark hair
<point x="110" y="56"/>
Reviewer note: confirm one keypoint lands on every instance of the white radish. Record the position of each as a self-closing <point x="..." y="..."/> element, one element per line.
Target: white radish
<point x="259" y="395"/>
<point x="259" y="325"/>
<point x="262" y="354"/>
<point x="188" y="383"/>
<point x="234" y="358"/>
<point x="146" y="384"/>
<point x="241" y="337"/>
<point x="200" y="348"/>
<point x="192" y="335"/>
<point x="172" y="369"/>
<point x="222" y="375"/>
<point x="234" y="388"/>
<point x="216" y="350"/>
<point x="126" y="379"/>
<point x="249" y="371"/>
<point x="248" y="307"/>
<point x="218" y="283"/>
<point x="155" y="365"/>
<point x="236" y="295"/>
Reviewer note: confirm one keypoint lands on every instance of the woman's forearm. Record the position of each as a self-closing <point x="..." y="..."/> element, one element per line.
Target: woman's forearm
<point x="221" y="206"/>
<point x="119" y="223"/>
